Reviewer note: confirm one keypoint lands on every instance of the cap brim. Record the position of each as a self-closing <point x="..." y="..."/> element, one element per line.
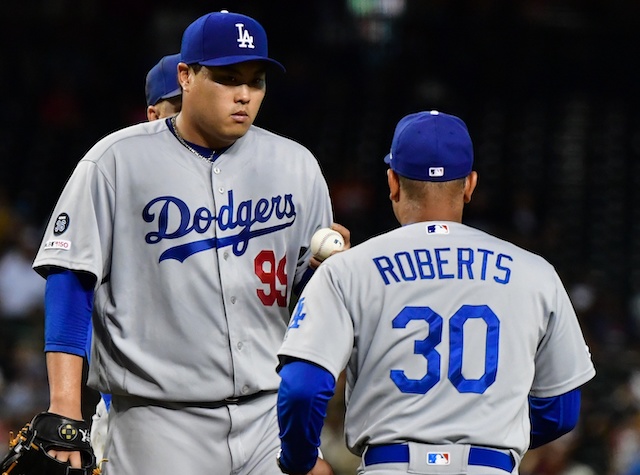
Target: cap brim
<point x="174" y="93"/>
<point x="229" y="60"/>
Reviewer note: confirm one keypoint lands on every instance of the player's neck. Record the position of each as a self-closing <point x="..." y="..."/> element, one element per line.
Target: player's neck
<point x="422" y="213"/>
<point x="191" y="132"/>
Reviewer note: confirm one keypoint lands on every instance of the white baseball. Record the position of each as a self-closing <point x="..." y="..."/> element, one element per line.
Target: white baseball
<point x="324" y="242"/>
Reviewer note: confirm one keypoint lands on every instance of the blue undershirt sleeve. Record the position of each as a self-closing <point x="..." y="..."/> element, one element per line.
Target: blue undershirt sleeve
<point x="68" y="303"/>
<point x="553" y="417"/>
<point x="305" y="391"/>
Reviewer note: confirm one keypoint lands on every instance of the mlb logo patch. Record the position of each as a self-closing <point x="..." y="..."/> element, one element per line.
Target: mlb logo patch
<point x="438" y="458"/>
<point x="437" y="229"/>
<point x="436" y="171"/>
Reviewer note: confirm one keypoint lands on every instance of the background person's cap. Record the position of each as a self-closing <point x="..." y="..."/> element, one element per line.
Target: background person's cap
<point x="162" y="80"/>
<point x="431" y="146"/>
<point x="223" y="38"/>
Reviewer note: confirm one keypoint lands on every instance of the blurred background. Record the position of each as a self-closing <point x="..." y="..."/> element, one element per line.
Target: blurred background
<point x="548" y="89"/>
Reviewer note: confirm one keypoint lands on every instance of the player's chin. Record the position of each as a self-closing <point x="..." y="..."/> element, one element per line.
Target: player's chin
<point x="237" y="130"/>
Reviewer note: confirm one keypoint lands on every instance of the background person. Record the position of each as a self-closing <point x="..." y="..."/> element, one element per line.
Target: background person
<point x="162" y="90"/>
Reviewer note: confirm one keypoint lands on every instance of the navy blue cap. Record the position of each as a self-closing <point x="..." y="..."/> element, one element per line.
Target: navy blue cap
<point x="162" y="80"/>
<point x="223" y="38"/>
<point x="431" y="146"/>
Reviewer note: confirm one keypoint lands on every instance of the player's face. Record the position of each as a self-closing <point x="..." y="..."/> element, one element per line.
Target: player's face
<point x="222" y="102"/>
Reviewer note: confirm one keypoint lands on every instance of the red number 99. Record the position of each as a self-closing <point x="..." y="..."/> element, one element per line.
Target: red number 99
<point x="270" y="274"/>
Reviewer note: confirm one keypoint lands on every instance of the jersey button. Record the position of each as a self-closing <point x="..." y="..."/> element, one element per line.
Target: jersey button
<point x="216" y="171"/>
<point x="225" y="255"/>
<point x="240" y="345"/>
<point x="221" y="190"/>
<point x="245" y="389"/>
<point x="233" y="300"/>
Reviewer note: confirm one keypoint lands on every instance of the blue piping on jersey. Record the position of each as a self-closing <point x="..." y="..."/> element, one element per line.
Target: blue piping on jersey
<point x="106" y="397"/>
<point x="107" y="400"/>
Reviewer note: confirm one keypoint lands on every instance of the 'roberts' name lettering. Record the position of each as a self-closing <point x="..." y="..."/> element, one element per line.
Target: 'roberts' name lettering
<point x="462" y="263"/>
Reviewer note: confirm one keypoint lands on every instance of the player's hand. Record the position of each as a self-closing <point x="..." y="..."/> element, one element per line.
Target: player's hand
<point x="321" y="467"/>
<point x="345" y="233"/>
<point x="346" y="237"/>
<point x="73" y="411"/>
<point x="73" y="458"/>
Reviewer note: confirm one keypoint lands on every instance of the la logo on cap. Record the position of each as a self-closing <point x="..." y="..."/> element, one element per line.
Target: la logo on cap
<point x="245" y="40"/>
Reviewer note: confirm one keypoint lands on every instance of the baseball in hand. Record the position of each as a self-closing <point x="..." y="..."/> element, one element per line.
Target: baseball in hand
<point x="324" y="242"/>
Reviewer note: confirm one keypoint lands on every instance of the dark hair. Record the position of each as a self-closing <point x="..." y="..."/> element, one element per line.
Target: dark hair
<point x="417" y="190"/>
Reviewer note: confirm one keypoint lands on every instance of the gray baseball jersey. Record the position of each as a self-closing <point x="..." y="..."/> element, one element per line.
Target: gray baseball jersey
<point x="444" y="330"/>
<point x="195" y="261"/>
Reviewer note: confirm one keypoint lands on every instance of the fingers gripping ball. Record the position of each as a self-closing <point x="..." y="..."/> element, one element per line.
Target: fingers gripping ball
<point x="28" y="450"/>
<point x="324" y="242"/>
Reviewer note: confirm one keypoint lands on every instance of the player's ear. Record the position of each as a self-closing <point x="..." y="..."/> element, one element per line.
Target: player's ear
<point x="470" y="185"/>
<point x="394" y="185"/>
<point x="152" y="113"/>
<point x="183" y="75"/>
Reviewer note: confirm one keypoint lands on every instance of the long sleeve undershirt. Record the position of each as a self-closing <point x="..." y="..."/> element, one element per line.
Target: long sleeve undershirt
<point x="553" y="417"/>
<point x="68" y="305"/>
<point x="303" y="397"/>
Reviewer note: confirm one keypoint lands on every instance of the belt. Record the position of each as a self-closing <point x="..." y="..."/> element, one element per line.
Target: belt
<point x="237" y="399"/>
<point x="399" y="453"/>
<point x="133" y="401"/>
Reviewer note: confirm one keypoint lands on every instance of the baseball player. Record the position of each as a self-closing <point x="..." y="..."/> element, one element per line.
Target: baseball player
<point x="449" y="336"/>
<point x="183" y="239"/>
<point x="164" y="99"/>
<point x="162" y="90"/>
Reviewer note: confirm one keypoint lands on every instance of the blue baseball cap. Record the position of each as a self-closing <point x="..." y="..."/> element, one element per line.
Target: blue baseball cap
<point x="431" y="146"/>
<point x="223" y="38"/>
<point x="162" y="80"/>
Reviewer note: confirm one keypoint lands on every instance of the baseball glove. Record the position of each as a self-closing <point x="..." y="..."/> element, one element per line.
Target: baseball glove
<point x="28" y="450"/>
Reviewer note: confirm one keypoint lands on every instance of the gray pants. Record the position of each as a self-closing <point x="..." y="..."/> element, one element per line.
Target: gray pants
<point x="170" y="439"/>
